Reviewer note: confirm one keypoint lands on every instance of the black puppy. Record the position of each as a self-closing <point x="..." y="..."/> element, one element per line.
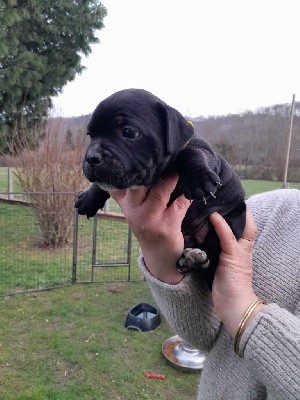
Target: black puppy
<point x="135" y="139"/>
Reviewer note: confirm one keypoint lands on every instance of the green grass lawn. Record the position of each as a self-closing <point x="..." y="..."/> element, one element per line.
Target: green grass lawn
<point x="252" y="186"/>
<point x="71" y="344"/>
<point x="4" y="181"/>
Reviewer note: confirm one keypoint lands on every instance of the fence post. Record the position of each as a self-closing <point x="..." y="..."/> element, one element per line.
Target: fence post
<point x="94" y="250"/>
<point x="75" y="245"/>
<point x="10" y="184"/>
<point x="129" y="251"/>
<point x="285" y="184"/>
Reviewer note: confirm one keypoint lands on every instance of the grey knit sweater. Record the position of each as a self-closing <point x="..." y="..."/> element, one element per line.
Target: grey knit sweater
<point x="270" y="368"/>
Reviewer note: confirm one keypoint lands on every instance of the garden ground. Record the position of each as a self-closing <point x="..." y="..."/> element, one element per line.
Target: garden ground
<point x="71" y="344"/>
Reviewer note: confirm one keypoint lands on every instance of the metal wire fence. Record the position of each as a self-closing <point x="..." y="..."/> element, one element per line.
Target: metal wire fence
<point x="95" y="250"/>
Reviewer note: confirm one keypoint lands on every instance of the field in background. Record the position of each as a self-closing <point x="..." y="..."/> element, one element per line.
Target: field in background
<point x="256" y="186"/>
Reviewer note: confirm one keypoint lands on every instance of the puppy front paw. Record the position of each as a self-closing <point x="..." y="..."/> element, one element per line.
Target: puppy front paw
<point x="192" y="259"/>
<point x="91" y="200"/>
<point x="85" y="206"/>
<point x="202" y="187"/>
<point x="198" y="169"/>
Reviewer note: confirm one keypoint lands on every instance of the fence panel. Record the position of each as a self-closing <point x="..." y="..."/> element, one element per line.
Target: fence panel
<point x="26" y="261"/>
<point x="38" y="250"/>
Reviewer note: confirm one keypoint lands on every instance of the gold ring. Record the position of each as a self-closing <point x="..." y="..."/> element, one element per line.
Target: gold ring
<point x="247" y="238"/>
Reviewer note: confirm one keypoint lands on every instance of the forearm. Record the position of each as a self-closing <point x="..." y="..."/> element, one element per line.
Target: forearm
<point x="161" y="264"/>
<point x="187" y="307"/>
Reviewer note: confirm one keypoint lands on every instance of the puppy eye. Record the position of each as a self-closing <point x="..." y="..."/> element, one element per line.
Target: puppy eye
<point x="130" y="133"/>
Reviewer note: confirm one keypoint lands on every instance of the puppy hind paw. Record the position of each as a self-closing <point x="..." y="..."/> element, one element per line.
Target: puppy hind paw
<point x="195" y="256"/>
<point x="192" y="259"/>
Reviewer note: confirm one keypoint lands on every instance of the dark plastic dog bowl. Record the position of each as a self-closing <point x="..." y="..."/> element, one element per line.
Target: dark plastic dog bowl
<point x="143" y="317"/>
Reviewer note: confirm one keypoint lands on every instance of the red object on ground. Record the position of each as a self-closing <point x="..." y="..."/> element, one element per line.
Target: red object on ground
<point x="154" y="376"/>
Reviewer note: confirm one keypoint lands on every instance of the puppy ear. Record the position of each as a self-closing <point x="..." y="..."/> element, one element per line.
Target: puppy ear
<point x="176" y="129"/>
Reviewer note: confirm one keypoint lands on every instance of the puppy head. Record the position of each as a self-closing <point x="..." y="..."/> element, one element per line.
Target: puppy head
<point x="134" y="138"/>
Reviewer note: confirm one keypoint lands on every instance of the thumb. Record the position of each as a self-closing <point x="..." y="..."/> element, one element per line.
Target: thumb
<point x="224" y="232"/>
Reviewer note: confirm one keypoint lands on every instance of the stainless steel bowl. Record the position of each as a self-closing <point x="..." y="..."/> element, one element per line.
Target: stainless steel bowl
<point x="181" y="355"/>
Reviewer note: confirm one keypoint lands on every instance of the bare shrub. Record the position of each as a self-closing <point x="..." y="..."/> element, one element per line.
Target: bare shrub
<point x="51" y="174"/>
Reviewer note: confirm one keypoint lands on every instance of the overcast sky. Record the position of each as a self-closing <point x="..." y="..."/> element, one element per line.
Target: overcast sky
<point x="202" y="57"/>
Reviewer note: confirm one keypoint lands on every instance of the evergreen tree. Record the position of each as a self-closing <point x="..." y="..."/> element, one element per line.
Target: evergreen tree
<point x="40" y="47"/>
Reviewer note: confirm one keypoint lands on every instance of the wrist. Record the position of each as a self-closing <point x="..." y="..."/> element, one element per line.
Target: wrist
<point x="232" y="312"/>
<point x="235" y="315"/>
<point x="163" y="267"/>
<point x="254" y="308"/>
<point x="160" y="255"/>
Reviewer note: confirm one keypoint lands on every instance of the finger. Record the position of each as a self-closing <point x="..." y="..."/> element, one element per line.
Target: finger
<point x="118" y="195"/>
<point x="182" y="202"/>
<point x="250" y="229"/>
<point x="179" y="206"/>
<point x="136" y="196"/>
<point x="162" y="190"/>
<point x="131" y="197"/>
<point x="224" y="232"/>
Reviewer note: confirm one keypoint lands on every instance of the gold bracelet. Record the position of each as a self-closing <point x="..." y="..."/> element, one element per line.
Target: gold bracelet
<point x="242" y="325"/>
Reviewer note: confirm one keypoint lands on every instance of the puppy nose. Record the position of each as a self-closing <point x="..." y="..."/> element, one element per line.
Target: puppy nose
<point x="93" y="158"/>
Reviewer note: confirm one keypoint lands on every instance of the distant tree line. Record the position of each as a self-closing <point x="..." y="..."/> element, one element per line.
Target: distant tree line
<point x="255" y="142"/>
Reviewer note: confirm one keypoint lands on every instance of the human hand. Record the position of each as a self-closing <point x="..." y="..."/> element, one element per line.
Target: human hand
<point x="156" y="226"/>
<point x="232" y="290"/>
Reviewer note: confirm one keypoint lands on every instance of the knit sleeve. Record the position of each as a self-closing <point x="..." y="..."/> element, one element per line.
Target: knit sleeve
<point x="187" y="307"/>
<point x="271" y="343"/>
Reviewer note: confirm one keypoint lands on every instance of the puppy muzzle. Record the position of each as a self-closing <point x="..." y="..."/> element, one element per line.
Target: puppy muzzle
<point x="109" y="172"/>
<point x="103" y="168"/>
